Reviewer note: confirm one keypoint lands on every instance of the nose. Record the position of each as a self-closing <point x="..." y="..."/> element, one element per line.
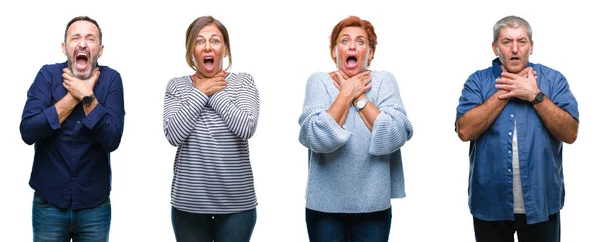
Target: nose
<point x="82" y="44"/>
<point x="207" y="46"/>
<point x="352" y="45"/>
<point x="515" y="47"/>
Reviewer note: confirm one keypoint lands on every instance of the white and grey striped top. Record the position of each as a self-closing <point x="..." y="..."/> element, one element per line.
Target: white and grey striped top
<point x="212" y="172"/>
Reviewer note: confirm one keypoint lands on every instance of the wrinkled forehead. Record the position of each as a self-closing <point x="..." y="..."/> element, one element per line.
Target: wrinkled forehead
<point x="209" y="31"/>
<point x="83" y="28"/>
<point x="511" y="33"/>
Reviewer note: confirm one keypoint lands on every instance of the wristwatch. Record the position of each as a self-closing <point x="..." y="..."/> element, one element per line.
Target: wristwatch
<point x="361" y="103"/>
<point x="539" y="97"/>
<point x="87" y="100"/>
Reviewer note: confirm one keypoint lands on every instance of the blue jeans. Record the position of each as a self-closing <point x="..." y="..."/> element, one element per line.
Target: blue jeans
<point x="234" y="227"/>
<point x="504" y="230"/>
<point x="342" y="227"/>
<point x="52" y="223"/>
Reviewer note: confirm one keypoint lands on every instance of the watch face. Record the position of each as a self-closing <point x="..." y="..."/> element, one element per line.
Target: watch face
<point x="86" y="100"/>
<point x="539" y="97"/>
<point x="361" y="104"/>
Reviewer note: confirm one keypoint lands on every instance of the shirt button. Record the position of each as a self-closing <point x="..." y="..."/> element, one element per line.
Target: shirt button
<point x="510" y="151"/>
<point x="78" y="121"/>
<point x="508" y="170"/>
<point x="509" y="133"/>
<point x="73" y="159"/>
<point x="512" y="116"/>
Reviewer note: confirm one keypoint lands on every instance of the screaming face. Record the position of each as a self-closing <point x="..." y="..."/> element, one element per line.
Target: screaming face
<point x="82" y="48"/>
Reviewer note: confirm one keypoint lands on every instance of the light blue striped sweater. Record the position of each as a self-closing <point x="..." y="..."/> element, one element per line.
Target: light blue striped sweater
<point x="351" y="169"/>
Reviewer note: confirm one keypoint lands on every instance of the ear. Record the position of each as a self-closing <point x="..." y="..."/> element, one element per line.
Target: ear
<point x="333" y="55"/>
<point x="531" y="48"/>
<point x="495" y="49"/>
<point x="226" y="52"/>
<point x="64" y="48"/>
<point x="370" y="57"/>
<point x="101" y="50"/>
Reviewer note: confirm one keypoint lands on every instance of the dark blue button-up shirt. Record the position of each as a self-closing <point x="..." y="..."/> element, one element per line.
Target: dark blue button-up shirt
<point x="540" y="153"/>
<point x="71" y="165"/>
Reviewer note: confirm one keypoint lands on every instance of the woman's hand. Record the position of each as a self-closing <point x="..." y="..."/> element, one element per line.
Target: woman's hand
<point x="210" y="86"/>
<point x="354" y="86"/>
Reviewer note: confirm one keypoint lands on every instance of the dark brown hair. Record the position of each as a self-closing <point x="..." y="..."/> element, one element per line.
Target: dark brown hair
<point x="84" y="18"/>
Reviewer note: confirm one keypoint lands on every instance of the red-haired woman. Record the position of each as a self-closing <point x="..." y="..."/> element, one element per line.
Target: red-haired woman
<point x="353" y="123"/>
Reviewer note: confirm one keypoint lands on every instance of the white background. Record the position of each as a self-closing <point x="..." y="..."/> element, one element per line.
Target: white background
<point x="430" y="46"/>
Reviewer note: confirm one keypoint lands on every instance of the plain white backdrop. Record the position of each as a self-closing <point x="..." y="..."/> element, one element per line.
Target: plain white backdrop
<point x="431" y="47"/>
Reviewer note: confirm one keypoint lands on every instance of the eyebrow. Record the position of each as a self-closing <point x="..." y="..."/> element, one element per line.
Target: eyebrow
<point x="79" y="35"/>
<point x="520" y="38"/>
<point x="212" y="35"/>
<point x="347" y="35"/>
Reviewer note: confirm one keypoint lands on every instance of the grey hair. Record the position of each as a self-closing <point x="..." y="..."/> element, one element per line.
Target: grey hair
<point x="511" y="22"/>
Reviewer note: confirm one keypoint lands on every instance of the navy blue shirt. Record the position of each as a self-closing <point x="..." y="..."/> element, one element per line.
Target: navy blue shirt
<point x="71" y="165"/>
<point x="540" y="153"/>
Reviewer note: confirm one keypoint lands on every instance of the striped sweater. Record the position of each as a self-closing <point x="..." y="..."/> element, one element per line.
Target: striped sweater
<point x="212" y="172"/>
<point x="351" y="169"/>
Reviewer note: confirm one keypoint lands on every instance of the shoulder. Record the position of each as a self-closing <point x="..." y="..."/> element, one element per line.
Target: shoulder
<point x="240" y="77"/>
<point x="383" y="76"/>
<point x="482" y="74"/>
<point x="109" y="73"/>
<point x="549" y="73"/>
<point x="318" y="77"/>
<point x="178" y="82"/>
<point x="51" y="69"/>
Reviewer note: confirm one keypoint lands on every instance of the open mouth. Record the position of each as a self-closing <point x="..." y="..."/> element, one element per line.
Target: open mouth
<point x="81" y="60"/>
<point x="515" y="59"/>
<point x="351" y="61"/>
<point x="209" y="63"/>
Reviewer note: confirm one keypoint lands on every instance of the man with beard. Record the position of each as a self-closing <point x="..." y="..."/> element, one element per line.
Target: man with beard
<point x="74" y="115"/>
<point x="516" y="114"/>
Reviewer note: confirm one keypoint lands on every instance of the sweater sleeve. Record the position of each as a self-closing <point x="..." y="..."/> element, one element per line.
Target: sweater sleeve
<point x="391" y="128"/>
<point x="318" y="130"/>
<point x="181" y="110"/>
<point x="239" y="111"/>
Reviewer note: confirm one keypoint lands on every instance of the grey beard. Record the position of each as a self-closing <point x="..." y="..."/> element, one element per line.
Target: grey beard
<point x="87" y="74"/>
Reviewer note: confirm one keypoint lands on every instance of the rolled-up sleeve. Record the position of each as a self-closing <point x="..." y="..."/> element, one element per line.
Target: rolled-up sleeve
<point x="318" y="130"/>
<point x="471" y="96"/>
<point x="562" y="96"/>
<point x="106" y="120"/>
<point x="391" y="128"/>
<point x="39" y="119"/>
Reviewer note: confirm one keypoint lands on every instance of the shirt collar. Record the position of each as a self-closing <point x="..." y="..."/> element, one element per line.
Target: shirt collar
<point x="497" y="69"/>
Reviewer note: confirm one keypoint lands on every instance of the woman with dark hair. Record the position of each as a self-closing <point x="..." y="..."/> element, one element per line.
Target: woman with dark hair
<point x="209" y="116"/>
<point x="353" y="123"/>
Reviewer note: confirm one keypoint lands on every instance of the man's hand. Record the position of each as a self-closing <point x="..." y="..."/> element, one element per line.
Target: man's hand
<point x="522" y="85"/>
<point x="355" y="86"/>
<point x="80" y="88"/>
<point x="210" y="86"/>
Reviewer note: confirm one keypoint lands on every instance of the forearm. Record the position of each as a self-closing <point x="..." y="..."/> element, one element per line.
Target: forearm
<point x="559" y="122"/>
<point x="473" y="123"/>
<point x="340" y="107"/>
<point x="240" y="119"/>
<point x="64" y="107"/>
<point x="87" y="109"/>
<point x="180" y="115"/>
<point x="106" y="120"/>
<point x="369" y="114"/>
